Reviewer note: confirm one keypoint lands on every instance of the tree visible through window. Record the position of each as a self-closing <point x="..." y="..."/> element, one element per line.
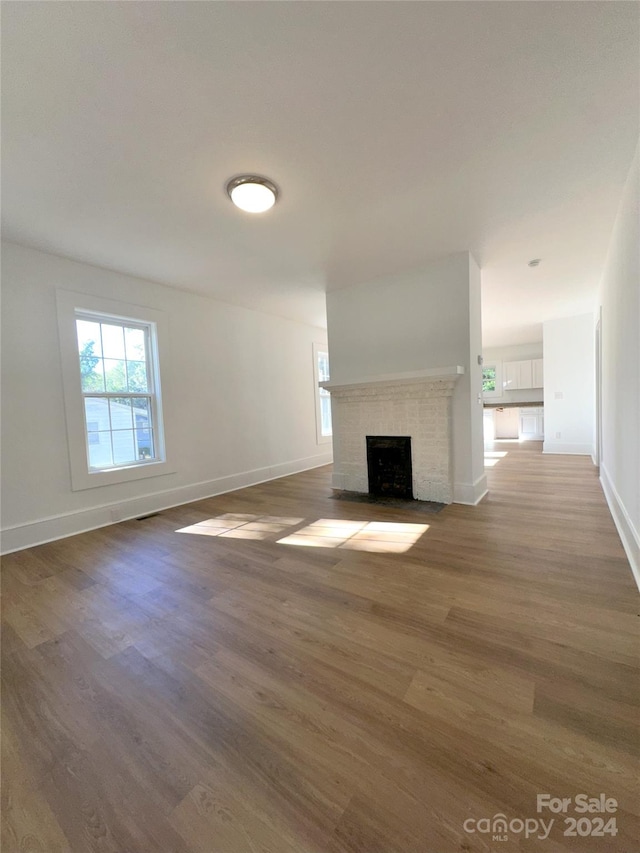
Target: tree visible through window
<point x="118" y="389"/>
<point x="488" y="379"/>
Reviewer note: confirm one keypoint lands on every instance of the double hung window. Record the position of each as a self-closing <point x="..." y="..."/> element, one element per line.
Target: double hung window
<point x="111" y="354"/>
<point x="118" y="391"/>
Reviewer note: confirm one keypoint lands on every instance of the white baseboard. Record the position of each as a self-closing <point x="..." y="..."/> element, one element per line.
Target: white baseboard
<point x="70" y="523"/>
<point x="629" y="536"/>
<point x="566" y="448"/>
<point x="470" y="493"/>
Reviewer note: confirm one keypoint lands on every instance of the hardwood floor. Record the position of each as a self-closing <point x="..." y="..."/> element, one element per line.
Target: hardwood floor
<point x="230" y="693"/>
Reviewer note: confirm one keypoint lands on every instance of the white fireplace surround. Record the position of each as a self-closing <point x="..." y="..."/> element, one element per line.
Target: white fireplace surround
<point x="415" y="404"/>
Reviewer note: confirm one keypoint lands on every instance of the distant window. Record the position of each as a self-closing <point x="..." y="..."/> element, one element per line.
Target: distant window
<point x="119" y="391"/>
<point x="492" y="380"/>
<point x="488" y="379"/>
<point x="323" y="397"/>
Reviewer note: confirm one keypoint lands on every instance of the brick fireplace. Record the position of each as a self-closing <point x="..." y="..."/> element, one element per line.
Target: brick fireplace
<point x="416" y="406"/>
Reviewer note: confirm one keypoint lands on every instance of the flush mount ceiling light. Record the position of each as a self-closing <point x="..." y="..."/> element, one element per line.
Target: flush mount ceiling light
<point x="252" y="193"/>
<point x="534" y="263"/>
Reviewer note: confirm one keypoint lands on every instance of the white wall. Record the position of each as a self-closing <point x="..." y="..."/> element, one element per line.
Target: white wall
<point x="239" y="399"/>
<point x="519" y="352"/>
<point x="569" y="385"/>
<point x="419" y="320"/>
<point x="619" y="299"/>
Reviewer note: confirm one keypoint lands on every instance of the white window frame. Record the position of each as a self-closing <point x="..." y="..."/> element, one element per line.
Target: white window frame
<point x="486" y="395"/>
<point x="320" y="438"/>
<point x="70" y="306"/>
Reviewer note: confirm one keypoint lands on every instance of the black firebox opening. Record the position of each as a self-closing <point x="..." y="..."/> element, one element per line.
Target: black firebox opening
<point x="389" y="466"/>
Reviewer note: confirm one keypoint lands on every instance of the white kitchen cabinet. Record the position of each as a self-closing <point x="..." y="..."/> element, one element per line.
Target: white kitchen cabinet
<point x="510" y="375"/>
<point x="522" y="374"/>
<point x="525" y="374"/>
<point x="538" y="372"/>
<point x="531" y="423"/>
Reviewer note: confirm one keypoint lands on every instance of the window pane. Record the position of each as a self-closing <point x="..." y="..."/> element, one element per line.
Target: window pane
<point x="123" y="447"/>
<point x="112" y="341"/>
<point x="100" y="450"/>
<point x="121" y="413"/>
<point x="96" y="410"/>
<point x="144" y="444"/>
<point x="323" y="366"/>
<point x="489" y="379"/>
<point x="115" y="375"/>
<point x="325" y="415"/>
<point x="144" y="431"/>
<point x="89" y="335"/>
<point x="91" y="371"/>
<point x="141" y="411"/>
<point x="137" y="374"/>
<point x="135" y="345"/>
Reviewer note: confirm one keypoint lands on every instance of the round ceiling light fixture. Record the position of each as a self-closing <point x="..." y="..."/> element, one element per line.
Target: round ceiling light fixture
<point x="535" y="262"/>
<point x="252" y="193"/>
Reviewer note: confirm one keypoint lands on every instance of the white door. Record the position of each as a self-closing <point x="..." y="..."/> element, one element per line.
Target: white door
<point x="599" y="389"/>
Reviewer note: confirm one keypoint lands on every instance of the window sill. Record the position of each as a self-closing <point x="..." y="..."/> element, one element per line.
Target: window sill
<point x="81" y="480"/>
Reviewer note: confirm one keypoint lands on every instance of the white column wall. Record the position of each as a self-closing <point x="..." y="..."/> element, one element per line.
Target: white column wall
<point x="424" y="319"/>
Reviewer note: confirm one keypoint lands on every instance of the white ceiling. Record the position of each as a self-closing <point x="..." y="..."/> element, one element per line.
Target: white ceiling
<point x="396" y="131"/>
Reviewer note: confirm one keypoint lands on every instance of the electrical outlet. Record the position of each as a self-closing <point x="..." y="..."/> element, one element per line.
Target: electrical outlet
<point x="558" y="435"/>
<point x="116" y="513"/>
<point x="558" y="395"/>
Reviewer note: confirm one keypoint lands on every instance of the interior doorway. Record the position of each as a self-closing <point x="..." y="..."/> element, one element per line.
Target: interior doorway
<point x="598" y="366"/>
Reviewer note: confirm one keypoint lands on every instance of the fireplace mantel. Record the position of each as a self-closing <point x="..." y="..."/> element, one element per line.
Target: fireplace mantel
<point x="431" y="374"/>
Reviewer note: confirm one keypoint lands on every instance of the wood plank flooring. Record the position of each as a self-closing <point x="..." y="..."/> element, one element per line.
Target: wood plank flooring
<point x="349" y="690"/>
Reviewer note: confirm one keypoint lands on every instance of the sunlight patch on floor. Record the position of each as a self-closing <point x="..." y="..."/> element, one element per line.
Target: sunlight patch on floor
<point x="374" y="536"/>
<point x="384" y="537"/>
<point x="492" y="457"/>
<point x="237" y="525"/>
